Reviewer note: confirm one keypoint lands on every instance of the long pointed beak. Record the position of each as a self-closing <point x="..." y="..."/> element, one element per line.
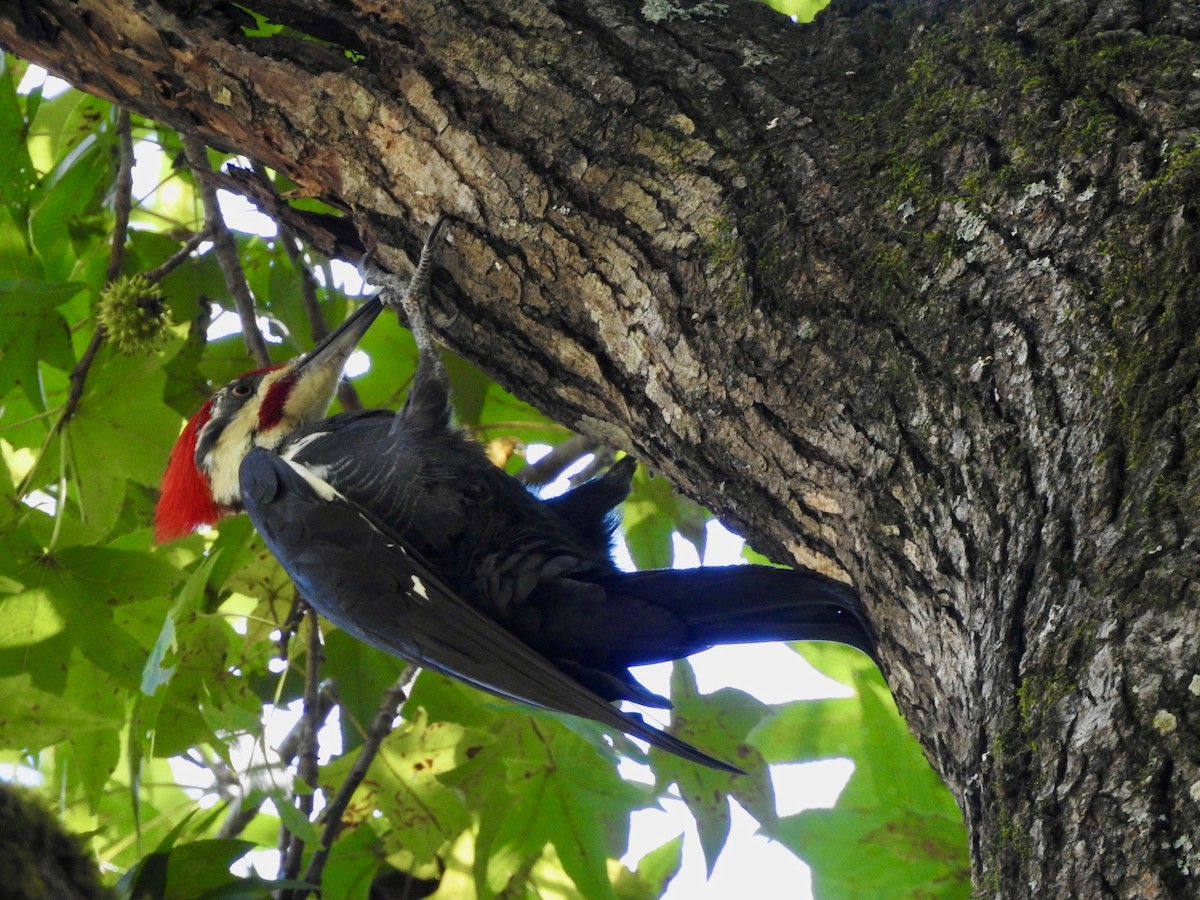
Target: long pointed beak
<point x="333" y="351"/>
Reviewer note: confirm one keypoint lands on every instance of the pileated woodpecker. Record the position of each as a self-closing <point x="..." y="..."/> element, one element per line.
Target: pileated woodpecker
<point x="397" y="528"/>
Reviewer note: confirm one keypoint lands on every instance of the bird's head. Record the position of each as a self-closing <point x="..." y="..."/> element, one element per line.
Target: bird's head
<point x="258" y="409"/>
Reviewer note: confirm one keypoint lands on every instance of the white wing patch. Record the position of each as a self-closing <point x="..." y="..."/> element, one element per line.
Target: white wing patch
<point x="419" y="588"/>
<point x="316" y="480"/>
<point x="290" y="453"/>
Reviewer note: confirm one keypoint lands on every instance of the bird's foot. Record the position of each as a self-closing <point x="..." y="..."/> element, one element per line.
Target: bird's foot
<point x="407" y="294"/>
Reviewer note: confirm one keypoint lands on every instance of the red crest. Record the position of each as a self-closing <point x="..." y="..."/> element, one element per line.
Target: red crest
<point x="186" y="501"/>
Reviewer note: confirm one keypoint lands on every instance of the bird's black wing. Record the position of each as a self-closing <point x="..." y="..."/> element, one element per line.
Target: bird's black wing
<point x="357" y="573"/>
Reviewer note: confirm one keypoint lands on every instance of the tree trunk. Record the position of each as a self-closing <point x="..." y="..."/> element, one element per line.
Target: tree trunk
<point x="910" y="296"/>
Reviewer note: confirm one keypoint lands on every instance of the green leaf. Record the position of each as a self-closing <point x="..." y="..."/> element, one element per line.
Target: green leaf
<point x="91" y="757"/>
<point x="67" y="214"/>
<point x="405" y="785"/>
<point x="198" y="867"/>
<point x="294" y="820"/>
<point x="718" y="723"/>
<point x="813" y="729"/>
<point x="491" y="412"/>
<point x="253" y="888"/>
<point x="17" y="173"/>
<point x="448" y="700"/>
<point x="120" y="434"/>
<point x="85" y="584"/>
<point x="353" y="861"/>
<point x="653" y="514"/>
<point x="32" y="330"/>
<point x="537" y="784"/>
<point x="895" y="829"/>
<point x="654" y="872"/>
<point x="647" y="527"/>
<point x="111" y="576"/>
<point x="801" y="10"/>
<point x="31" y="719"/>
<point x="362" y="674"/>
<point x="843" y="664"/>
<point x="552" y="803"/>
<point x="29" y="617"/>
<point x="202" y="696"/>
<point x="879" y="852"/>
<point x="155" y="673"/>
<point x="65" y="122"/>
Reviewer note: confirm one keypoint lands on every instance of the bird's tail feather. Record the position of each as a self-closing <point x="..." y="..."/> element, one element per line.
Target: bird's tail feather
<point x="748" y="604"/>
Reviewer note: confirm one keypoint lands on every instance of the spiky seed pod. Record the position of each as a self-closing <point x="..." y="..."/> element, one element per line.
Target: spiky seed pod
<point x="134" y="314"/>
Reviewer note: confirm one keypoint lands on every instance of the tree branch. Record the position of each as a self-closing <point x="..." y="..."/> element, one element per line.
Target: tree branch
<point x="307" y="769"/>
<point x="226" y="250"/>
<point x="122" y="195"/>
<point x="380" y="728"/>
<point x="557" y="461"/>
<point x="122" y="203"/>
<point x="241" y="816"/>
<point x="180" y="256"/>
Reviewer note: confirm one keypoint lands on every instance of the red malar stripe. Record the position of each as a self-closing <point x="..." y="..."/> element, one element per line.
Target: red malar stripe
<point x="270" y="413"/>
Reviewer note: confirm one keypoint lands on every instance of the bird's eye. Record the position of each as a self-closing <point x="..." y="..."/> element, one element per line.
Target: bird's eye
<point x="241" y="390"/>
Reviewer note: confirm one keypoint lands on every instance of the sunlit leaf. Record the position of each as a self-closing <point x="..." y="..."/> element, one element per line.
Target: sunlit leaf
<point x="654" y="872"/>
<point x="718" y="723"/>
<point x="801" y="10"/>
<point x="27" y="618"/>
<point x="895" y="820"/>
<point x="31" y="719"/>
<point x="66" y="212"/>
<point x="405" y="785"/>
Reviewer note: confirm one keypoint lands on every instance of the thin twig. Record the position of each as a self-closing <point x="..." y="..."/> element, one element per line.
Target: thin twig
<point x="307" y="768"/>
<point x="226" y="250"/>
<point x="312" y="692"/>
<point x="226" y="780"/>
<point x="122" y="195"/>
<point x="381" y="727"/>
<point x="179" y="257"/>
<point x="308" y="285"/>
<point x="327" y="699"/>
<point x="332" y="235"/>
<point x="602" y="460"/>
<point x="122" y="204"/>
<point x="557" y="461"/>
<point x="289" y="625"/>
<point x="240" y="816"/>
<point x="78" y="377"/>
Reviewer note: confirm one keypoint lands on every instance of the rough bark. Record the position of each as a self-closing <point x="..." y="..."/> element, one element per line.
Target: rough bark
<point x="909" y="296"/>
